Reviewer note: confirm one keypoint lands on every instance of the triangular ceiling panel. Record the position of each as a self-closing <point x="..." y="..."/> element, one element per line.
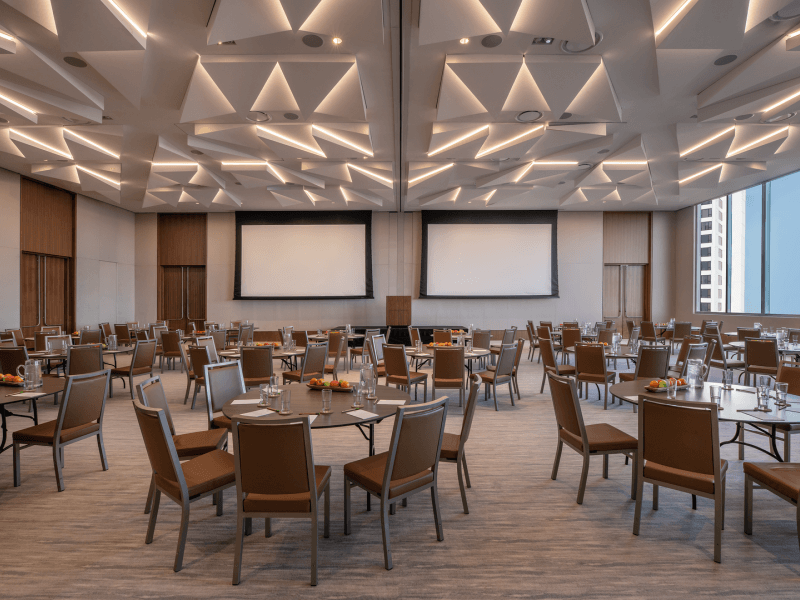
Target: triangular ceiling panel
<point x="445" y="197"/>
<point x="241" y="19"/>
<point x="455" y="98"/>
<point x="275" y="95"/>
<point x="203" y="98"/>
<point x="597" y="100"/>
<point x="489" y="82"/>
<point x="311" y="82"/>
<point x="122" y="69"/>
<point x="560" y="78"/>
<point x="40" y="11"/>
<point x="444" y="20"/>
<point x="363" y="196"/>
<point x="346" y="99"/>
<point x="99" y="25"/>
<point x="563" y="20"/>
<point x="525" y="94"/>
<point x="238" y="78"/>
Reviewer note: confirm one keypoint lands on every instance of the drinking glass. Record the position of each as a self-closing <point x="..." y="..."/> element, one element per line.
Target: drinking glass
<point x="264" y="394"/>
<point x="326" y="401"/>
<point x="286" y="402"/>
<point x="716" y="393"/>
<point x="763" y="400"/>
<point x="727" y="379"/>
<point x="764" y="384"/>
<point x="358" y="395"/>
<point x="418" y="344"/>
<point x="781" y="390"/>
<point x="469" y="347"/>
<point x="273" y="392"/>
<point x="672" y="387"/>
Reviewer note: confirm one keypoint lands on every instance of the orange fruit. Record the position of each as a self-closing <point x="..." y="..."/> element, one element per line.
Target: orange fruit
<point x="344" y="384"/>
<point x="334" y="383"/>
<point x="654" y="383"/>
<point x="681" y="382"/>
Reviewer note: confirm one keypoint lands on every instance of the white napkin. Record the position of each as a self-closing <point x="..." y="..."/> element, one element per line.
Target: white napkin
<point x="392" y="402"/>
<point x="259" y="413"/>
<point x="248" y="401"/>
<point x="362" y="414"/>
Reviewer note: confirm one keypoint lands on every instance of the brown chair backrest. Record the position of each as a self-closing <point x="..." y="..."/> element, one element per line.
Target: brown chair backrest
<point x="469" y="409"/>
<point x="506" y="359"/>
<point x="604" y="335"/>
<point x="442" y="336"/>
<point x="693" y="352"/>
<point x="743" y="333"/>
<point x="570" y="337"/>
<point x="151" y="393"/>
<point x="199" y="357"/>
<point x="123" y="333"/>
<point x="761" y="352"/>
<point x="105" y="329"/>
<point x="142" y="335"/>
<point x="220" y="339"/>
<point x="508" y="336"/>
<point x="224" y="381"/>
<point x="481" y="339"/>
<point x="368" y="335"/>
<point x="336" y="342"/>
<point x="51" y="329"/>
<point x="394" y="360"/>
<point x="681" y="435"/>
<point x="209" y="343"/>
<point x="684" y="351"/>
<point x="84" y="359"/>
<point x="609" y="324"/>
<point x="570" y="325"/>
<point x="413" y="335"/>
<point x="648" y="329"/>
<point x="548" y="324"/>
<point x="246" y="333"/>
<point x="794" y="336"/>
<point x="544" y="333"/>
<point x="159" y="445"/>
<point x="590" y="359"/>
<point x="518" y="356"/>
<point x="634" y="334"/>
<point x="548" y="357"/>
<point x="315" y="359"/>
<point x="653" y="362"/>
<point x="11" y="358"/>
<point x="716" y="352"/>
<point x="267" y="336"/>
<point x="170" y="341"/>
<point x="40" y="341"/>
<point x="707" y="362"/>
<point x="448" y="363"/>
<point x="300" y="338"/>
<point x="144" y="354"/>
<point x="257" y="362"/>
<point x="631" y="325"/>
<point x="8" y="343"/>
<point x="416" y="440"/>
<point x="566" y="406"/>
<point x="712" y="328"/>
<point x="90" y="336"/>
<point x="18" y="336"/>
<point x="790" y="375"/>
<point x="681" y="330"/>
<point x="84" y="400"/>
<point x="274" y="457"/>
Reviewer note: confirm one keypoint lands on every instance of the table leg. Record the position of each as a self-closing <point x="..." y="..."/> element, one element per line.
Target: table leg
<point x="371" y="453"/>
<point x="773" y="439"/>
<point x="5" y="428"/>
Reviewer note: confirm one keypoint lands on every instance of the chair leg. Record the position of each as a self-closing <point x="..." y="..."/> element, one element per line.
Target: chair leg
<point x="637" y="513"/>
<point x="694" y="502"/>
<point x="634" y="474"/>
<point x="437" y="515"/>
<point x="58" y="462"/>
<point x="748" y="505"/>
<point x="220" y="503"/>
<point x="466" y="470"/>
<point x="544" y="377"/>
<point x="150" y="495"/>
<point x="16" y="465"/>
<point x="151" y="525"/>
<point x="605" y="466"/>
<point x="194" y="397"/>
<point x="557" y="461"/>
<point x="719" y="508"/>
<point x="387" y="551"/>
<point x="787" y="447"/>
<point x="494" y="395"/>
<point x="584" y="476"/>
<point x="511" y="392"/>
<point x="741" y="442"/>
<point x="248" y="526"/>
<point x="314" y="540"/>
<point x="346" y="506"/>
<point x="655" y="497"/>
<point x="461" y="486"/>
<point x="102" y="448"/>
<point x="188" y="387"/>
<point x="326" y="527"/>
<point x="605" y="401"/>
<point x="238" y="549"/>
<point x="182" y="537"/>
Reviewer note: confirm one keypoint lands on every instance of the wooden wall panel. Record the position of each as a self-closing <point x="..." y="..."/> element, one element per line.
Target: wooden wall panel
<point x="626" y="238"/>
<point x="172" y="294"/>
<point x="398" y="310"/>
<point x="56" y="291"/>
<point x="46" y="219"/>
<point x="29" y="293"/>
<point x="196" y="291"/>
<point x="182" y="239"/>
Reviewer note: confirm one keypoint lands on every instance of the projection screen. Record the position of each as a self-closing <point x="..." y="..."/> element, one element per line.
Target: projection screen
<point x="477" y="254"/>
<point x="303" y="256"/>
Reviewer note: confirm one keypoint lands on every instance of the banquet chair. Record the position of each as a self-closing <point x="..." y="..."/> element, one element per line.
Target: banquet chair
<point x="604" y="336"/>
<point x="551" y="364"/>
<point x="276" y="478"/>
<point x="187" y="445"/>
<point x="782" y="479"/>
<point x="649" y="334"/>
<point x="693" y="351"/>
<point x="300" y="338"/>
<point x="220" y="341"/>
<point x="170" y="348"/>
<point x="651" y="363"/>
<point x="375" y="349"/>
<point x="80" y="416"/>
<point x="679" y="449"/>
<point x="453" y="443"/>
<point x="84" y="359"/>
<point x="397" y="373"/>
<point x="760" y="358"/>
<point x="520" y="344"/>
<point x="11" y="358"/>
<point x="569" y="339"/>
<point x="246" y="334"/>
<point x="141" y="335"/>
<point x="599" y="439"/>
<point x="89" y="336"/>
<point x="448" y="371"/>
<point x="590" y="367"/>
<point x="105" y="331"/>
<point x="363" y="351"/>
<point x="413" y="335"/>
<point x="142" y="362"/>
<point x="682" y="330"/>
<point x="508" y="338"/>
<point x="482" y="339"/>
<point x="718" y="358"/>
<point x="533" y="340"/>
<point x="545" y="333"/>
<point x="256" y="365"/>
<point x="743" y="333"/>
<point x="410" y="466"/>
<point x="224" y="381"/>
<point x="442" y="336"/>
<point x="40" y="341"/>
<point x="206" y="475"/>
<point x="678" y="369"/>
<point x="336" y="341"/>
<point x="502" y="374"/>
<point x="18" y="336"/>
<point x="548" y="324"/>
<point x="314" y="361"/>
<point x="123" y="334"/>
<point x="210" y="343"/>
<point x="199" y="357"/>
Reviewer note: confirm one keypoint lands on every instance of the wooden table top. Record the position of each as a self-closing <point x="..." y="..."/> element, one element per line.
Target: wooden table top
<point x="306" y="400"/>
<point x="731" y="402"/>
<point x="50" y="386"/>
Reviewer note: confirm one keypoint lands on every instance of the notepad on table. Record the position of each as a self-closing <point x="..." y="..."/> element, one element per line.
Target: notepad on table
<point x="362" y="414"/>
<point x="392" y="402"/>
<point x="247" y="401"/>
<point x="259" y="413"/>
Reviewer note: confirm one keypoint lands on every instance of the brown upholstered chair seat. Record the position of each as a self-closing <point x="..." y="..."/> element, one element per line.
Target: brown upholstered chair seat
<point x="295" y="375"/>
<point x="255" y="381"/>
<point x="450" y="443"/>
<point x="602" y="438"/>
<point x="562" y="369"/>
<point x="202" y="474"/>
<point x="198" y="442"/>
<point x="488" y="377"/>
<point x="781" y="477"/>
<point x="413" y="376"/>
<point x="443" y="383"/>
<point x="732" y="364"/>
<point x="295" y="503"/>
<point x="627" y="376"/>
<point x="787" y="427"/>
<point x="762" y="370"/>
<point x="595" y="378"/>
<point x="687" y="479"/>
<point x="222" y="422"/>
<point x="369" y="473"/>
<point x="43" y="433"/>
<point x="172" y="354"/>
<point x="124" y="371"/>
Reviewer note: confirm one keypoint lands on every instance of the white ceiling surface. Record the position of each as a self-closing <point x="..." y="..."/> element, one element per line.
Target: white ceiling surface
<point x="157" y="120"/>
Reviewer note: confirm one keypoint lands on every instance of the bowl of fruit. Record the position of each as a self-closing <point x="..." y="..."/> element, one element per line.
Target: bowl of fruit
<point x="273" y="344"/>
<point x="335" y="385"/>
<point x="14" y="380"/>
<point x="440" y="344"/>
<point x="660" y="385"/>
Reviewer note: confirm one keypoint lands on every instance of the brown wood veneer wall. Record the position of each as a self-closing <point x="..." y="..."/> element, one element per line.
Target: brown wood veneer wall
<point x="182" y="242"/>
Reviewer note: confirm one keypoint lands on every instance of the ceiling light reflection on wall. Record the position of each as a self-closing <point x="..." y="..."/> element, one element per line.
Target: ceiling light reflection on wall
<point x="708" y="141"/>
<point x="757" y="142"/>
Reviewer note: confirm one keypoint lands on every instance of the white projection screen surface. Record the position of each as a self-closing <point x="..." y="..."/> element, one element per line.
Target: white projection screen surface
<point x="303" y="261"/>
<point x="489" y="260"/>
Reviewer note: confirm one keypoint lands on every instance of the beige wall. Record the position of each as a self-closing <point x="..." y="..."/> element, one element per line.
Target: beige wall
<point x="146" y="268"/>
<point x="9" y="249"/>
<point x="662" y="260"/>
<point x="104" y="266"/>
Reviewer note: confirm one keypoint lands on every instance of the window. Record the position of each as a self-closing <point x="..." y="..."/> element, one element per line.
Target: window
<point x="705" y="251"/>
<point x="705" y="226"/>
<point x="706" y="212"/>
<point x="745" y="223"/>
<point x="719" y="240"/>
<point x="719" y="292"/>
<point x="719" y="279"/>
<point x="705" y="293"/>
<point x="705" y="279"/>
<point x="782" y="287"/>
<point x="719" y="265"/>
<point x="705" y="265"/>
<point x="719" y="227"/>
<point x="705" y="307"/>
<point x="705" y="239"/>
<point x="719" y="252"/>
<point x="719" y="306"/>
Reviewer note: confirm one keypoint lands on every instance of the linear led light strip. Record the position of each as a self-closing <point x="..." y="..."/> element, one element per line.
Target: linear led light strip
<point x="244" y="164"/>
<point x="757" y="142"/>
<point x="673" y="17"/>
<point x="434" y="172"/>
<point x="370" y="173"/>
<point x="5" y="36"/>
<point x="708" y="141"/>
<point x="696" y="175"/>
<point x="793" y="34"/>
<point x="275" y="172"/>
<point x="291" y="141"/>
<point x="91" y="143"/>
<point x="553" y="162"/>
<point x="457" y="141"/>
<point x="625" y="162"/>
<point x="342" y="140"/>
<point x="54" y="150"/>
<point x="492" y="193"/>
<point x="507" y="142"/>
<point x="784" y="101"/>
<point x="15" y="103"/>
<point x="96" y="174"/>
<point x="127" y="18"/>
<point x="175" y="164"/>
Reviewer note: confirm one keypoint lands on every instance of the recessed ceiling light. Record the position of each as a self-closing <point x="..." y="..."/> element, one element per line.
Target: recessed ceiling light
<point x="464" y="41"/>
<point x="578" y="47"/>
<point x="565" y="115"/>
<point x="107" y="118"/>
<point x="491" y="41"/>
<point x="724" y="60"/>
<point x="237" y="183"/>
<point x="584" y="165"/>
<point x="528" y="116"/>
<point x="291" y="116"/>
<point x="561" y="182"/>
<point x="196" y="152"/>
<point x="693" y="117"/>
<point x="74" y="62"/>
<point x="604" y="151"/>
<point x="337" y="40"/>
<point x="312" y="41"/>
<point x="3" y="120"/>
<point x="743" y="117"/>
<point x="228" y="43"/>
<point x="546" y="41"/>
<point x="787" y="13"/>
<point x="779" y="118"/>
<point x="257" y="116"/>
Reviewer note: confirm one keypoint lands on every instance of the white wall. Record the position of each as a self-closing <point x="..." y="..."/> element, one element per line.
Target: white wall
<point x="104" y="267"/>
<point x="146" y="268"/>
<point x="9" y="249"/>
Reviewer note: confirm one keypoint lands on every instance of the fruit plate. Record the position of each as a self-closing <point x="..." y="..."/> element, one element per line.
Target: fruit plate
<point x="333" y="389"/>
<point x="664" y="389"/>
<point x="13" y="383"/>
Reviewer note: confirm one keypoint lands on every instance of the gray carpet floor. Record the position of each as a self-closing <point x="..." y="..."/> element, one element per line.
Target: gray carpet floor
<point x="525" y="536"/>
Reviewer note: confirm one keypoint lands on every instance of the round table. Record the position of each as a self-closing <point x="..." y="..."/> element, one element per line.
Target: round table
<point x="51" y="386"/>
<point x="731" y="404"/>
<point x="476" y="354"/>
